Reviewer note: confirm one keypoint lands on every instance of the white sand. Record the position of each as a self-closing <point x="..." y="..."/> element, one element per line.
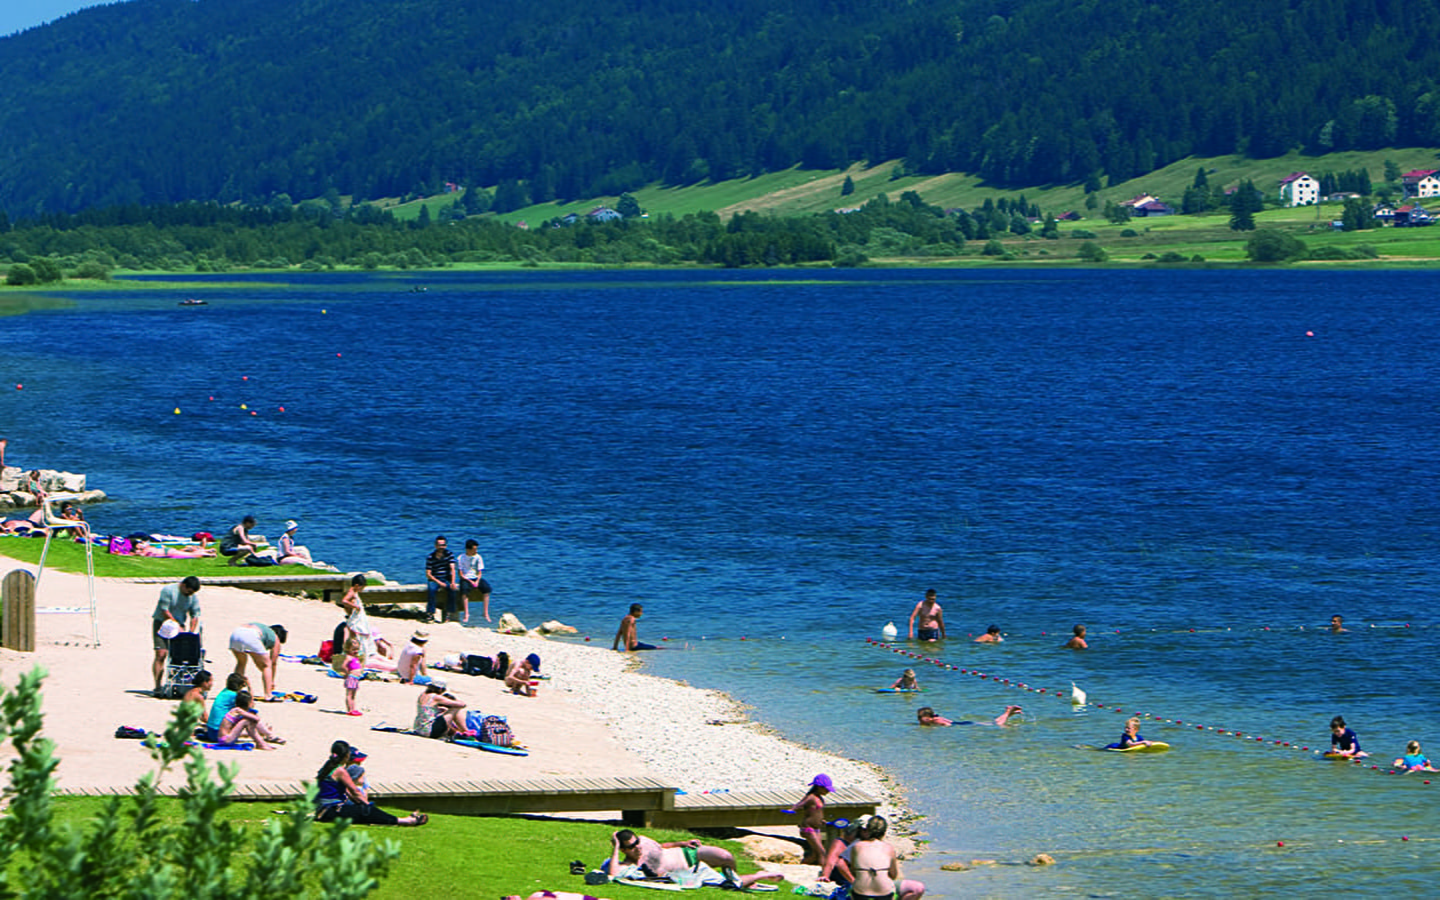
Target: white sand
<point x="595" y="716"/>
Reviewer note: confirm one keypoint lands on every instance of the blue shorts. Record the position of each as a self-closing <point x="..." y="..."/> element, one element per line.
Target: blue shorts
<point x="928" y="634"/>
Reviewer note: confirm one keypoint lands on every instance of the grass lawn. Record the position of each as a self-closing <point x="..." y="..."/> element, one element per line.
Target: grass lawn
<point x="464" y="856"/>
<point x="68" y="556"/>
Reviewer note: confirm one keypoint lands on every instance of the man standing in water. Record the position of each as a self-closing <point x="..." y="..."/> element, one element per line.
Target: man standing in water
<point x="931" y="616"/>
<point x="626" y="634"/>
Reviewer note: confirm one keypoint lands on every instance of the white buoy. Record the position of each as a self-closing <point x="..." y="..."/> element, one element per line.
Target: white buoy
<point x="890" y="631"/>
<point x="1077" y="696"/>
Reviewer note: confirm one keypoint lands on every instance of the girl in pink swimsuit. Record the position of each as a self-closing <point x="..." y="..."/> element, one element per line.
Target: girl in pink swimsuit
<point x="812" y="818"/>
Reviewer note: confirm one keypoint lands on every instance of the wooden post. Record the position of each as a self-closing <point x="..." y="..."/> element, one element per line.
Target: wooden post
<point x="17" y="600"/>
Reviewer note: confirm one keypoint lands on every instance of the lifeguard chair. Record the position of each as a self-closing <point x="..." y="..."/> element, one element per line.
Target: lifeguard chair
<point x="53" y="523"/>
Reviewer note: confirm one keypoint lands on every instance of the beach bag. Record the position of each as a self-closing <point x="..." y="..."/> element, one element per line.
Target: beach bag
<point x="494" y="730"/>
<point x="475" y="664"/>
<point x="121" y="546"/>
<point x="129" y="732"/>
<point x="474" y="721"/>
<point x="327" y="650"/>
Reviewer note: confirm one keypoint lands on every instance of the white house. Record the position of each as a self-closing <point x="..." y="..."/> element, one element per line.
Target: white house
<point x="1299" y="190"/>
<point x="1421" y="183"/>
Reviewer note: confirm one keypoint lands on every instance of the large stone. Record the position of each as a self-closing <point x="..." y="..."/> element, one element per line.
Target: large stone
<point x="763" y="848"/>
<point x="1042" y="859"/>
<point x="509" y="624"/>
<point x="556" y="627"/>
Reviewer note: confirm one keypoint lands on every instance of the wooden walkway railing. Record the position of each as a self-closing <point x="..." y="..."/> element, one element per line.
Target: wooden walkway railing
<point x="642" y="801"/>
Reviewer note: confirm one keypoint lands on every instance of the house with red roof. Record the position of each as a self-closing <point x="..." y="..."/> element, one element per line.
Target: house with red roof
<point x="1421" y="183"/>
<point x="1299" y="189"/>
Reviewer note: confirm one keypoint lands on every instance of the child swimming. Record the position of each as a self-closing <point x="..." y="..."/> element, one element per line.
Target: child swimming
<point x="927" y="716"/>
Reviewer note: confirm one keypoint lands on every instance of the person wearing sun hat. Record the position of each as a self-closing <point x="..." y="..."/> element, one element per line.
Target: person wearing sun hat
<point x="290" y="553"/>
<point x="411" y="665"/>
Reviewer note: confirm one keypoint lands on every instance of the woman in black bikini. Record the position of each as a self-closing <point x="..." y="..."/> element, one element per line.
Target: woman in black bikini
<point x="876" y="868"/>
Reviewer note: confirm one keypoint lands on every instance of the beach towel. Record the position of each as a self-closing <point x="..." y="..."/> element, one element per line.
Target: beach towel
<point x="293" y="697"/>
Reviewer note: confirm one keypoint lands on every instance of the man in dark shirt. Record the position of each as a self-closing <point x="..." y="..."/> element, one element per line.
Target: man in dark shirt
<point x="440" y="572"/>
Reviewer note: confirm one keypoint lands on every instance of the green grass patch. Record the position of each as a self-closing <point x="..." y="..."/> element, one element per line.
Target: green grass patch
<point x="459" y="855"/>
<point x="68" y="556"/>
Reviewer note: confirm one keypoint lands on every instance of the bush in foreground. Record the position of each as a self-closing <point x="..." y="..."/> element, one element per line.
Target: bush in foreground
<point x="129" y="850"/>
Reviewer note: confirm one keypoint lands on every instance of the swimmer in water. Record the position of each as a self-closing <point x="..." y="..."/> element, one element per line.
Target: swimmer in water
<point x="927" y="716"/>
<point x="906" y="682"/>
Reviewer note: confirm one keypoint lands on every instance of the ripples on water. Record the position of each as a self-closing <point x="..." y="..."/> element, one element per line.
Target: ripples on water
<point x="794" y="459"/>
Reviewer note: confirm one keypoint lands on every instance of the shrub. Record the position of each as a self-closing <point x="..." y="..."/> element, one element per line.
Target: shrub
<point x="1268" y="245"/>
<point x="1092" y="252"/>
<point x="128" y="851"/>
<point x="1082" y="234"/>
<point x="21" y="273"/>
<point x="92" y="270"/>
<point x="1129" y="232"/>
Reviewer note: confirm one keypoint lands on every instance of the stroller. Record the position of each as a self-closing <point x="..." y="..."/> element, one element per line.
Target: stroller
<point x="182" y="664"/>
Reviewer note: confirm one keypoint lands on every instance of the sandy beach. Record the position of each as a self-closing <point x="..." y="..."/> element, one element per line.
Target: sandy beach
<point x="595" y="715"/>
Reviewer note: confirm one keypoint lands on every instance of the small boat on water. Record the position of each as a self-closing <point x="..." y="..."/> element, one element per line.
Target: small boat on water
<point x="193" y="301"/>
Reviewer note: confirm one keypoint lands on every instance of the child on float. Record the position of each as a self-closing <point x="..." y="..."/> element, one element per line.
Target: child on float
<point x="906" y="682"/>
<point x="1414" y="760"/>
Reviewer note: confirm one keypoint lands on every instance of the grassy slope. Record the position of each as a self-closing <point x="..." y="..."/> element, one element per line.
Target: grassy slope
<point x="807" y="192"/>
<point x="801" y="192"/>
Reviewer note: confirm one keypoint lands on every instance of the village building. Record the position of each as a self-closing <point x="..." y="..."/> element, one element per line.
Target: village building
<point x="1299" y="189"/>
<point x="1421" y="183"/>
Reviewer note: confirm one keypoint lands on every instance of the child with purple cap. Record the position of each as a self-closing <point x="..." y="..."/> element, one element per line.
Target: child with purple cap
<point x="812" y="818"/>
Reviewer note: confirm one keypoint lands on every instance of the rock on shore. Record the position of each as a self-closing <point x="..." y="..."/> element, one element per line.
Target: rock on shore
<point x="12" y="497"/>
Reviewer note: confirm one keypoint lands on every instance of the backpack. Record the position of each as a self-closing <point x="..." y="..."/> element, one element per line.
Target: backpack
<point x="502" y="665"/>
<point x="494" y="730"/>
<point x="327" y="650"/>
<point x="121" y="546"/>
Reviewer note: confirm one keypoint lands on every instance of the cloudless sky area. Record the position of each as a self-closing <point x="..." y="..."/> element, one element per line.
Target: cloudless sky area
<point x="17" y="15"/>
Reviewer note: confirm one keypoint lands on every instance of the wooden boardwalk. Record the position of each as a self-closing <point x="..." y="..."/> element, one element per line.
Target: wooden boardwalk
<point x="642" y="801"/>
<point x="329" y="585"/>
<point x="750" y="809"/>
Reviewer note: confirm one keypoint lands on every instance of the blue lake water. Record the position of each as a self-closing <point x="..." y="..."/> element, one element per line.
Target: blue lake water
<point x="1202" y="466"/>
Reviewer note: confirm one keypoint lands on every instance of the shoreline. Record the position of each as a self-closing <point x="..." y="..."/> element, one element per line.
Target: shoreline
<point x="598" y="714"/>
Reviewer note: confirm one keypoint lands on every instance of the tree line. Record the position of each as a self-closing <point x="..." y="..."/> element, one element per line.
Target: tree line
<point x="167" y="101"/>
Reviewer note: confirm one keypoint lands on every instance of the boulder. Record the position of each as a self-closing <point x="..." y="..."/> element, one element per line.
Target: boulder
<point x="763" y="848"/>
<point x="954" y="867"/>
<point x="1042" y="859"/>
<point x="509" y="624"/>
<point x="556" y="627"/>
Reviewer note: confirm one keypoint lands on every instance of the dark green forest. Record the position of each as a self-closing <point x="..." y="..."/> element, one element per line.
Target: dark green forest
<point x="158" y="102"/>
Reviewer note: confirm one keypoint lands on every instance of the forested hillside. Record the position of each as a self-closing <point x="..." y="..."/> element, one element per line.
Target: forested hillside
<point x="161" y="101"/>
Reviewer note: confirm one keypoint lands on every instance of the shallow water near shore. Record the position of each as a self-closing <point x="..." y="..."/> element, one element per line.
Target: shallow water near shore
<point x="1202" y="466"/>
